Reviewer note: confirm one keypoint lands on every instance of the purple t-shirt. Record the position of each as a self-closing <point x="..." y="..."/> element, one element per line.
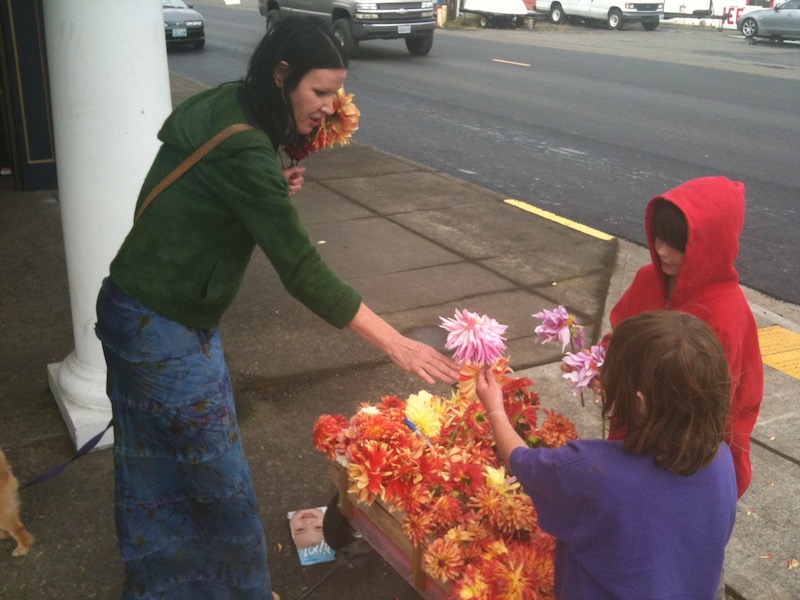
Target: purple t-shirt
<point x="627" y="529"/>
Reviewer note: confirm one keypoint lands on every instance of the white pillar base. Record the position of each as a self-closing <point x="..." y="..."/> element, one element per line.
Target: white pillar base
<point x="83" y="423"/>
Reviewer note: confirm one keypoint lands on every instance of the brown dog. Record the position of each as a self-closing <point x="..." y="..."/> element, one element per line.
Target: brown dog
<point x="9" y="509"/>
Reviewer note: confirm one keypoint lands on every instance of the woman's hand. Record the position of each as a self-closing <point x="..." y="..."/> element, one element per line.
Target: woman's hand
<point x="489" y="392"/>
<point x="422" y="360"/>
<point x="413" y="357"/>
<point x="295" y="178"/>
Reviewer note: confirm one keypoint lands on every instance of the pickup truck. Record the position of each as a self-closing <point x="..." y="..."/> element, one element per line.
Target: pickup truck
<point x="354" y="21"/>
<point x="614" y="12"/>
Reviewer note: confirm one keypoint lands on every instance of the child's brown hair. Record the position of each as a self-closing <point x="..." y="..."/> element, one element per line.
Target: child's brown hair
<point x="677" y="364"/>
<point x="669" y="224"/>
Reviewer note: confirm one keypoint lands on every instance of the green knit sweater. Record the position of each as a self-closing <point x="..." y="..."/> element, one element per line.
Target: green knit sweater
<point x="186" y="256"/>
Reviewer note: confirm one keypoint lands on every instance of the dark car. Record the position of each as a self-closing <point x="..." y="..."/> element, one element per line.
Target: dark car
<point x="183" y="26"/>
<point x="779" y="23"/>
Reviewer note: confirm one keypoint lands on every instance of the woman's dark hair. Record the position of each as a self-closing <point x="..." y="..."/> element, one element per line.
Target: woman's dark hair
<point x="303" y="44"/>
<point x="677" y="363"/>
<point x="669" y="224"/>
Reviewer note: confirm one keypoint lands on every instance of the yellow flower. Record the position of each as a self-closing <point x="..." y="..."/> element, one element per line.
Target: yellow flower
<point x="498" y="479"/>
<point x="425" y="411"/>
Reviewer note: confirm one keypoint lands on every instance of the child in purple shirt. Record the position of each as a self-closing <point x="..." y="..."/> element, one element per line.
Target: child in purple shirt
<point x="647" y="517"/>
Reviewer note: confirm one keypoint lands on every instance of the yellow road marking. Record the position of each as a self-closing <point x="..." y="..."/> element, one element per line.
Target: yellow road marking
<point x="780" y="349"/>
<point x="510" y="62"/>
<point x="561" y="220"/>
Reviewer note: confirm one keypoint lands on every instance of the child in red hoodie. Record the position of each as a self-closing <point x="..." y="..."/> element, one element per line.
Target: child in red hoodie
<point x="693" y="234"/>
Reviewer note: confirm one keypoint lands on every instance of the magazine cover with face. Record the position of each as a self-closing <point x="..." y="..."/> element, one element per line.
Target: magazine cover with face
<point x="306" y="527"/>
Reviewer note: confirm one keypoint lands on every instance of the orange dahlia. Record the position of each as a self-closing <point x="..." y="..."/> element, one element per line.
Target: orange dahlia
<point x="443" y="559"/>
<point x="556" y="430"/>
<point x="367" y="471"/>
<point x="418" y="526"/>
<point x="326" y="432"/>
<point x="338" y="127"/>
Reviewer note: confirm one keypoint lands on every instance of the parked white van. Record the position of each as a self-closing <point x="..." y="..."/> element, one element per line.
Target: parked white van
<point x="613" y="12"/>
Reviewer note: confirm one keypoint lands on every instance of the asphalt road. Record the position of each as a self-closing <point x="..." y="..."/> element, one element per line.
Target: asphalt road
<point x="579" y="120"/>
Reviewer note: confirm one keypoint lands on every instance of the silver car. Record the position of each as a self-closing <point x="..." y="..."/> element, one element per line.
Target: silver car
<point x="182" y="25"/>
<point x="779" y="23"/>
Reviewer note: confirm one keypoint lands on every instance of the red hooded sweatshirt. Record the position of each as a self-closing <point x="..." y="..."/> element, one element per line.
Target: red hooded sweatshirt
<point x="707" y="287"/>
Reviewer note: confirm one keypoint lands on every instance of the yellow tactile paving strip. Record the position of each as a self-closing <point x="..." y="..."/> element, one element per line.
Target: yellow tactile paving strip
<point x="780" y="349"/>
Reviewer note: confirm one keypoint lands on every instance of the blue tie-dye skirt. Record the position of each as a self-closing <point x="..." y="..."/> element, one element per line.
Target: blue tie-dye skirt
<point x="188" y="525"/>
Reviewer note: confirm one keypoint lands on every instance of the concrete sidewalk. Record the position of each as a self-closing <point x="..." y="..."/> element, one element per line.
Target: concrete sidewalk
<point x="418" y="244"/>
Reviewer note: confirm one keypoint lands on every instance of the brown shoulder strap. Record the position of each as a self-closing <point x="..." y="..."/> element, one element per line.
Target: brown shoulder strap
<point x="190" y="161"/>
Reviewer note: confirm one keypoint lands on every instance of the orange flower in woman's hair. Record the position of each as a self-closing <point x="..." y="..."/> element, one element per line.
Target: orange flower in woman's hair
<point x="338" y="127"/>
<point x="348" y="116"/>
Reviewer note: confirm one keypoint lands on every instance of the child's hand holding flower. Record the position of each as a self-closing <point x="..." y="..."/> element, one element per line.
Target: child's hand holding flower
<point x="489" y="391"/>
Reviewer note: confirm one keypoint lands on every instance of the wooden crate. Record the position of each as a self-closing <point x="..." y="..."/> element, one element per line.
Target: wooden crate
<point x="382" y="528"/>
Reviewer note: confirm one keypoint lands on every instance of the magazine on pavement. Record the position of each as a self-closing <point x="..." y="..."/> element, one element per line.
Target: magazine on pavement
<point x="308" y="536"/>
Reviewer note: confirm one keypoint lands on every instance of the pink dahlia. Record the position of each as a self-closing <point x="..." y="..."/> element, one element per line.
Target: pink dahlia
<point x="586" y="367"/>
<point x="476" y="339"/>
<point x="559" y="326"/>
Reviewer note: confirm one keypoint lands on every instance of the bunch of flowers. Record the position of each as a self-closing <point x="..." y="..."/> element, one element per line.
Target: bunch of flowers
<point x="336" y="128"/>
<point x="433" y="459"/>
<point x="583" y="365"/>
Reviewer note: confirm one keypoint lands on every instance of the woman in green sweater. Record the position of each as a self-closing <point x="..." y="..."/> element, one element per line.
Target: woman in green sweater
<point x="187" y="518"/>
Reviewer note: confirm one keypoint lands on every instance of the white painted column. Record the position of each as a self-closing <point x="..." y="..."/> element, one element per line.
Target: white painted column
<point x="110" y="94"/>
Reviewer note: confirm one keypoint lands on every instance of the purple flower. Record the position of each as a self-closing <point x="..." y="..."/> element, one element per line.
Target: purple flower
<point x="476" y="339"/>
<point x="559" y="326"/>
<point x="585" y="365"/>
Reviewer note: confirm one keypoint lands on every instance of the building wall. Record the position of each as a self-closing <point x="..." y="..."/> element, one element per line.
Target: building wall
<point x="27" y="148"/>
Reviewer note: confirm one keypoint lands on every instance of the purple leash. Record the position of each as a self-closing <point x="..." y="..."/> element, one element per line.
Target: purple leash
<point x="82" y="451"/>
